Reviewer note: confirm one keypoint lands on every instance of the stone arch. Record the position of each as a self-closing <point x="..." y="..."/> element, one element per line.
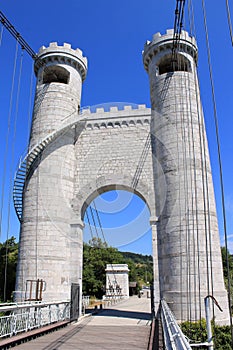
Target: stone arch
<point x="107" y="188"/>
<point x="107" y="183"/>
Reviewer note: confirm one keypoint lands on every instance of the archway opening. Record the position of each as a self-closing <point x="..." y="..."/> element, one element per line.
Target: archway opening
<point x="167" y="64"/>
<point x="117" y="232"/>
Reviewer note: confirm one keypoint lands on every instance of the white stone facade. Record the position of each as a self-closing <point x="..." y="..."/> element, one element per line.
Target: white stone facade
<point x="156" y="153"/>
<point x="117" y="280"/>
<point x="189" y="257"/>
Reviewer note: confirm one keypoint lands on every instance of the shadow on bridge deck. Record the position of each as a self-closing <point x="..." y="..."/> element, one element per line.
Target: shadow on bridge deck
<point x="125" y="314"/>
<point x="123" y="326"/>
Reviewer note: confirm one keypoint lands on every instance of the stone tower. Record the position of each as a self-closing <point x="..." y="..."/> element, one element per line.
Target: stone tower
<point x="187" y="229"/>
<point x="47" y="241"/>
<point x="160" y="154"/>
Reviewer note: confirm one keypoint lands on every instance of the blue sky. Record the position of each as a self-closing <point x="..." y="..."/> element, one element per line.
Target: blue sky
<point x="112" y="36"/>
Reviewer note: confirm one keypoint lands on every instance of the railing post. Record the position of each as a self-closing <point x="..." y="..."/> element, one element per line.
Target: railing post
<point x="58" y="312"/>
<point x="50" y="316"/>
<point x="208" y="324"/>
<point x="40" y="316"/>
<point x="27" y="321"/>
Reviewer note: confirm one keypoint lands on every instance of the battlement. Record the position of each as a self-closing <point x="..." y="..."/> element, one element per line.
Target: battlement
<point x="65" y="54"/>
<point x="115" y="116"/>
<point x="158" y="37"/>
<point x="162" y="42"/>
<point x="112" y="108"/>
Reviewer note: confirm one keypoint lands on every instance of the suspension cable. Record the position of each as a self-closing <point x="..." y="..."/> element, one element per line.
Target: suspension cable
<point x="191" y="189"/>
<point x="1" y="34"/>
<point x="30" y="106"/>
<point x="93" y="219"/>
<point x="194" y="196"/>
<point x="89" y="223"/>
<point x="191" y="17"/>
<point x="178" y="25"/>
<point x="102" y="232"/>
<point x="220" y="163"/>
<point x="9" y="26"/>
<point x="11" y="175"/>
<point x="7" y="136"/>
<point x="101" y="229"/>
<point x="229" y="21"/>
<point x="179" y="161"/>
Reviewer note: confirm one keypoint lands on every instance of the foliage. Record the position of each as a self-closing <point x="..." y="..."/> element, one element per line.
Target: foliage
<point x="141" y="268"/>
<point x="8" y="265"/>
<point x="196" y="332"/>
<point x="96" y="255"/>
<point x="225" y="255"/>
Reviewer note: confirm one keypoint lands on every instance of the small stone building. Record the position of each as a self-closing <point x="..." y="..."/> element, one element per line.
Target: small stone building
<point x="117" y="280"/>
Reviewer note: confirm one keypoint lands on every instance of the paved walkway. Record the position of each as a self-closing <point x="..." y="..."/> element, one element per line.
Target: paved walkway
<point x="124" y="326"/>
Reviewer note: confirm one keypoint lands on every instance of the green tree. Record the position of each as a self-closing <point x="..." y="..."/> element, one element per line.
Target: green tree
<point x="226" y="255"/>
<point x="141" y="268"/>
<point x="96" y="255"/>
<point x="8" y="263"/>
<point x="196" y="332"/>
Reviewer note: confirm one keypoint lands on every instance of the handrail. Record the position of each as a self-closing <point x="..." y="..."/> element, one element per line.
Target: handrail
<point x="174" y="338"/>
<point x="17" y="306"/>
<point x="25" y="317"/>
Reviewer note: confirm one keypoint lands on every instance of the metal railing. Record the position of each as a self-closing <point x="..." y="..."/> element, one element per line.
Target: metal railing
<point x="18" y="318"/>
<point x="174" y="338"/>
<point x="85" y="301"/>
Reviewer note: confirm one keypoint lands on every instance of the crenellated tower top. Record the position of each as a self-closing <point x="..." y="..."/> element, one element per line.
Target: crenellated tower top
<point x="162" y="44"/>
<point x="62" y="54"/>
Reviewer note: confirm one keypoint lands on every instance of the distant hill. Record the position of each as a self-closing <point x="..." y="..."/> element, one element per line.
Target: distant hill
<point x="138" y="258"/>
<point x="140" y="266"/>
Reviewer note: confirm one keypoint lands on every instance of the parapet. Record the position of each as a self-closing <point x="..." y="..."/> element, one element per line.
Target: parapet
<point x="114" y="107"/>
<point x="117" y="268"/>
<point x="164" y="42"/>
<point x="65" y="54"/>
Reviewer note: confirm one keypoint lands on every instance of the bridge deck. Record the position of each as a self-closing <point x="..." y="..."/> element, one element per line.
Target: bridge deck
<point x="123" y="326"/>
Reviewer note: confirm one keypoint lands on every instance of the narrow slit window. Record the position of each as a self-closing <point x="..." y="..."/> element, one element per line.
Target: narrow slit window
<point x="56" y="74"/>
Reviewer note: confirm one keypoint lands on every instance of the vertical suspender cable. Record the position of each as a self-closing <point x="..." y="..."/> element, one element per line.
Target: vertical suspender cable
<point x="93" y="219"/>
<point x="174" y="61"/>
<point x="193" y="33"/>
<point x="192" y="193"/>
<point x="89" y="223"/>
<point x="179" y="200"/>
<point x="98" y="218"/>
<point x="101" y="228"/>
<point x="220" y="166"/>
<point x="7" y="137"/>
<point x="191" y="18"/>
<point x="1" y="33"/>
<point x="229" y="21"/>
<point x="11" y="175"/>
<point x="30" y="103"/>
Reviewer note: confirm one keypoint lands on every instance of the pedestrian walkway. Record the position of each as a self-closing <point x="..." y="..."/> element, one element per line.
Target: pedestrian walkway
<point x="124" y="326"/>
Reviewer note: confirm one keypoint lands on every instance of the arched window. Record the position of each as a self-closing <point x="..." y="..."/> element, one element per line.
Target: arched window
<point x="169" y="64"/>
<point x="55" y="74"/>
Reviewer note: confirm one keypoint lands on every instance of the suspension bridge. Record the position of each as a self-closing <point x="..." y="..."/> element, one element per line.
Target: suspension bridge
<point x="75" y="154"/>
